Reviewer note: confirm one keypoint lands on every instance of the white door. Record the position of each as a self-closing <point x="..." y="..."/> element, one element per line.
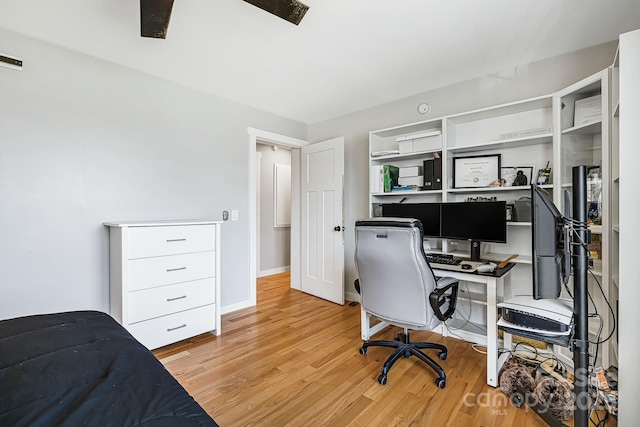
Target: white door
<point x="322" y="171"/>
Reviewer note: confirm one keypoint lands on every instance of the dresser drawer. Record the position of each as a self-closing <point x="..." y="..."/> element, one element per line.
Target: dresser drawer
<point x="165" y="330"/>
<point x="156" y="302"/>
<point x="151" y="272"/>
<point x="170" y="240"/>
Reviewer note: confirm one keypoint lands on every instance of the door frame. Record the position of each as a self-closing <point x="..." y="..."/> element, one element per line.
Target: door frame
<point x="295" y="144"/>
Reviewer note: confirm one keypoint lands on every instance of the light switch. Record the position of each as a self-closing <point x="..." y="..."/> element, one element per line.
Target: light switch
<point x="234" y="215"/>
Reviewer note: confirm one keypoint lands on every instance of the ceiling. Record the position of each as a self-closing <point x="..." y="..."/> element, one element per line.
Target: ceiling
<point x="345" y="56"/>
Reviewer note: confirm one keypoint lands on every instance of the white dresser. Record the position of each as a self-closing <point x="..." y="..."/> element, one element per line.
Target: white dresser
<point x="165" y="279"/>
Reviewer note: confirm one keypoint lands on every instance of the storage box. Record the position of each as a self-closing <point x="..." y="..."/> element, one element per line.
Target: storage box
<point x="405" y="146"/>
<point x="410" y="171"/>
<point x="522" y="210"/>
<point x="411" y="180"/>
<point x="428" y="143"/>
<point x="588" y="110"/>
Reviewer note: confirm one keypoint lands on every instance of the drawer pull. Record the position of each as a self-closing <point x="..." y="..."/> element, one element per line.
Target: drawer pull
<point x="176" y="240"/>
<point x="177" y="327"/>
<point x="176" y="298"/>
<point x="176" y="269"/>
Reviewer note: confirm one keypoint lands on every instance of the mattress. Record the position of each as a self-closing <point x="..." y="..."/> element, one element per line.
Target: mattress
<point x="83" y="368"/>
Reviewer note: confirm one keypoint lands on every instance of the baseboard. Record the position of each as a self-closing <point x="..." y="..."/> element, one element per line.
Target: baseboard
<point x="352" y="296"/>
<point x="273" y="271"/>
<point x="236" y="306"/>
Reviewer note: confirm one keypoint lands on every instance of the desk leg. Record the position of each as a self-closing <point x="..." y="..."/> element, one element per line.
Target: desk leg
<point x="492" y="331"/>
<point x="364" y="325"/>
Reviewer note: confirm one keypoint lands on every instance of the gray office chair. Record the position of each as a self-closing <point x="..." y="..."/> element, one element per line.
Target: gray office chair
<point x="397" y="286"/>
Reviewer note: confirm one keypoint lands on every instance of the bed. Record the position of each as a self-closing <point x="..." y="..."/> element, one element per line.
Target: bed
<point x="83" y="368"/>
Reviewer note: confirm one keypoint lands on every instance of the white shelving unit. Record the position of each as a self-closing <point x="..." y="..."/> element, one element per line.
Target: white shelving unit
<point x="522" y="133"/>
<point x="589" y="144"/>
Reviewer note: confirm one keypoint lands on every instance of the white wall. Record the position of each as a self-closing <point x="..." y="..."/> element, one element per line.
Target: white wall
<point x="539" y="78"/>
<point x="83" y="141"/>
<point x="275" y="242"/>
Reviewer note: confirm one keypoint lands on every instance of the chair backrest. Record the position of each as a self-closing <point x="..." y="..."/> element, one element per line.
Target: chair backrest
<point x="395" y="278"/>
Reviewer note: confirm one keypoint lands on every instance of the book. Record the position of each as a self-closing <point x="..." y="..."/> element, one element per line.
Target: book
<point x="400" y="188"/>
<point x="375" y="179"/>
<point x="390" y="177"/>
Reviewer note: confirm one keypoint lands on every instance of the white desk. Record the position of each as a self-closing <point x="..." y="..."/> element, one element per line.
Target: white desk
<point x="493" y="283"/>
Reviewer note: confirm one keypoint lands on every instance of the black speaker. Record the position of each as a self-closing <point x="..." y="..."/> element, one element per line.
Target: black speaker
<point x="433" y="174"/>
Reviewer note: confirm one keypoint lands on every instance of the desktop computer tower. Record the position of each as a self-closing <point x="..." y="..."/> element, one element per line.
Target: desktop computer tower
<point x="432" y="170"/>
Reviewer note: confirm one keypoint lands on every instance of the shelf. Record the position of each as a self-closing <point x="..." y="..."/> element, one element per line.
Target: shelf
<point x="592" y="128"/>
<point x="616" y="228"/>
<point x="545" y="138"/>
<point x="538" y="103"/>
<point x="616" y="110"/>
<point x="405" y="193"/>
<point x="518" y="224"/>
<point x="595" y="229"/>
<point x="488" y="189"/>
<point x="405" y="156"/>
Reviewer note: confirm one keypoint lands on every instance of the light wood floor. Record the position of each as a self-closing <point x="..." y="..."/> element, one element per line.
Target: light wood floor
<point x="293" y="360"/>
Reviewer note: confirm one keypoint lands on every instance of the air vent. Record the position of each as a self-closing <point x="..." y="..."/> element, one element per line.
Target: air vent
<point x="9" y="62"/>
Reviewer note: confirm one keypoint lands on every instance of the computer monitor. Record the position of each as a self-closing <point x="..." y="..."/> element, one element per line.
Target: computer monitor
<point x="427" y="213"/>
<point x="547" y="237"/>
<point x="474" y="221"/>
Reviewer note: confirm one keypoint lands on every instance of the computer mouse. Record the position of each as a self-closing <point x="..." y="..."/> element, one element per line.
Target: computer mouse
<point x="486" y="268"/>
<point x="466" y="266"/>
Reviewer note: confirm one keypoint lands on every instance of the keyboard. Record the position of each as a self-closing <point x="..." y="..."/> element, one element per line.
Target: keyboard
<point x="442" y="259"/>
<point x="447" y="262"/>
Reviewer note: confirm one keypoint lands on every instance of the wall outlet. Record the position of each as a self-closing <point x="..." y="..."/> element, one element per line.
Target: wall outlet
<point x="234" y="215"/>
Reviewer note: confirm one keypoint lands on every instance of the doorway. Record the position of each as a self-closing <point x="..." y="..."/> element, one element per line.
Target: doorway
<point x="260" y="136"/>
<point x="273" y="209"/>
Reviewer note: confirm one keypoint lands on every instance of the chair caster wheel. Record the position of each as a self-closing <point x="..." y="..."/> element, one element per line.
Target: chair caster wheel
<point x="363" y="350"/>
<point x="382" y="379"/>
<point x="443" y="355"/>
<point x="441" y="382"/>
<point x="517" y="400"/>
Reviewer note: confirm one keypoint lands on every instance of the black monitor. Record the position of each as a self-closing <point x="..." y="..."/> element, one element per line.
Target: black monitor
<point x="547" y="237"/>
<point x="474" y="221"/>
<point x="427" y="213"/>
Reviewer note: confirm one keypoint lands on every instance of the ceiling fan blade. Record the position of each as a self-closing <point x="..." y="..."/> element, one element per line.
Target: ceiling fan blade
<point x="289" y="10"/>
<point x="154" y="18"/>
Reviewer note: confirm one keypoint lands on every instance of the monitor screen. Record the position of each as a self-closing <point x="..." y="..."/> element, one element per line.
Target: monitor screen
<point x="478" y="221"/>
<point x="427" y="213"/>
<point x="548" y="248"/>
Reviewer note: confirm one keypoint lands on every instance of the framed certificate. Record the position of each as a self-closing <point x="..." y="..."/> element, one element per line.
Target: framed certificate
<point x="475" y="171"/>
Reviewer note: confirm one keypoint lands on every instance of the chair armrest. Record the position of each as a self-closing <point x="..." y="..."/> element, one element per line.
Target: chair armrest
<point x="445" y="282"/>
<point x="446" y="292"/>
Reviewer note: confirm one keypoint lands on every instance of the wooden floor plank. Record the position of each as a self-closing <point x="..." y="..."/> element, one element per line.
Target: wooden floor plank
<point x="293" y="360"/>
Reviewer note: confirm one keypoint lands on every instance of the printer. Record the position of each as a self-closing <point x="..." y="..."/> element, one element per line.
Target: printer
<point x="543" y="315"/>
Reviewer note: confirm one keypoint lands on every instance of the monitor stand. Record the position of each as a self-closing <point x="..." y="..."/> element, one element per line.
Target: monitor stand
<point x="475" y="250"/>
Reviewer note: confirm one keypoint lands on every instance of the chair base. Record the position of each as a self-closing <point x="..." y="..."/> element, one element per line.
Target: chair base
<point x="404" y="347"/>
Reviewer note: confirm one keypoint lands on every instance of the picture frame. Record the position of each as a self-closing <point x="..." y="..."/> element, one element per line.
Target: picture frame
<point x="511" y="176"/>
<point x="476" y="171"/>
<point x="281" y="195"/>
